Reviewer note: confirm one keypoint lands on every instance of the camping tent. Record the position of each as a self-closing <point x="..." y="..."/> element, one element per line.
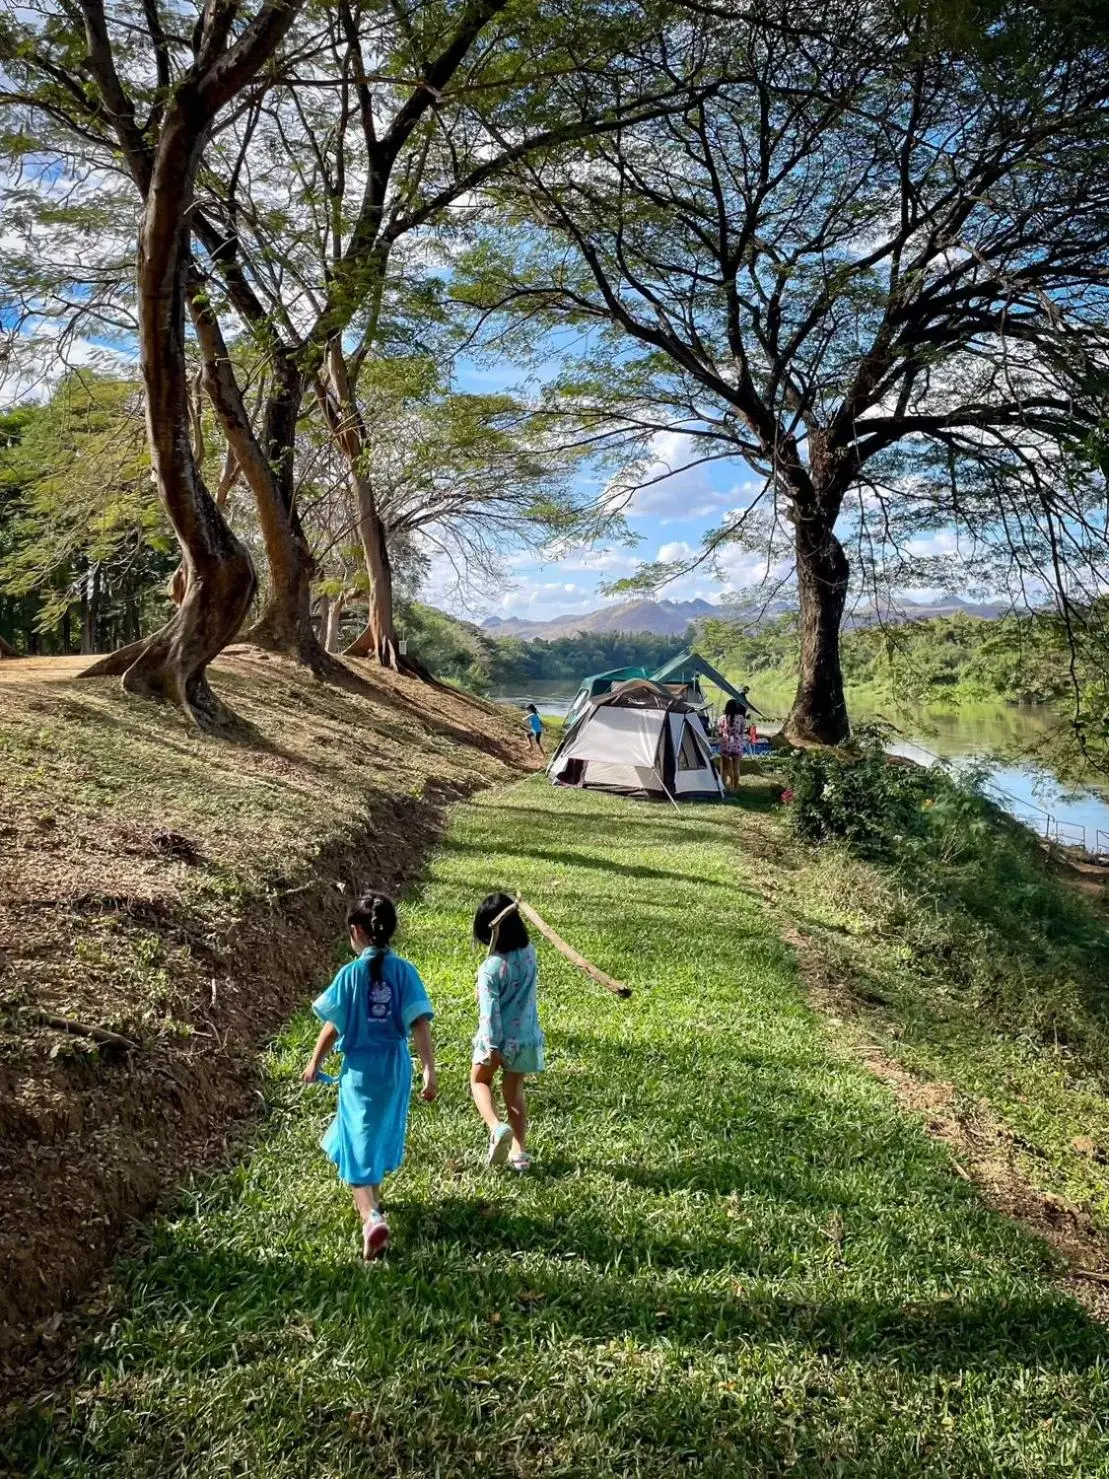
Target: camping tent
<point x="683" y="674"/>
<point x="598" y="684"/>
<point x="638" y="740"/>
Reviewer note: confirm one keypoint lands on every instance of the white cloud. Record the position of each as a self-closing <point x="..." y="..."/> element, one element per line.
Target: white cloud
<point x="675" y="552"/>
<point x="944" y="542"/>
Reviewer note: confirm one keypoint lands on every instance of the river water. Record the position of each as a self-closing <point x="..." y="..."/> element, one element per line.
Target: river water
<point x="999" y="739"/>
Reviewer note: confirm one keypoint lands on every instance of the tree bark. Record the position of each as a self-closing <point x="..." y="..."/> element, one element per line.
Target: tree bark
<point x="219" y="576"/>
<point x="333" y="617"/>
<point x="379" y="638"/>
<point x="86" y="625"/>
<point x="6" y="649"/>
<point x="285" y="623"/>
<point x="819" y="712"/>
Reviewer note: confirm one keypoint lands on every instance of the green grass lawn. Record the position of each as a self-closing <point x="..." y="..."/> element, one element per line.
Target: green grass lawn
<point x="735" y="1255"/>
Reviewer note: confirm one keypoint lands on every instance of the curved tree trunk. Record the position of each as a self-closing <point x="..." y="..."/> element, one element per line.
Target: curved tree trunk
<point x="285" y="624"/>
<point x="379" y="639"/>
<point x="219" y="577"/>
<point x="228" y="478"/>
<point x="162" y="157"/>
<point x="6" y="649"/>
<point x="819" y="712"/>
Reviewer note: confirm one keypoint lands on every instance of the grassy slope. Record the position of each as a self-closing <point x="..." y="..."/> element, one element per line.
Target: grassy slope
<point x="737" y="1255"/>
<point x="990" y="995"/>
<point x="179" y="890"/>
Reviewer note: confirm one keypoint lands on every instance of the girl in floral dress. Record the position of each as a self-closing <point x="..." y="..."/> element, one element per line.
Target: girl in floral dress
<point x="509" y="1039"/>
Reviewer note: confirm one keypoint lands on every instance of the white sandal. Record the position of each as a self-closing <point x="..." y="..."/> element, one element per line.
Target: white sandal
<point x="375" y="1236"/>
<point x="520" y="1162"/>
<point x="500" y="1143"/>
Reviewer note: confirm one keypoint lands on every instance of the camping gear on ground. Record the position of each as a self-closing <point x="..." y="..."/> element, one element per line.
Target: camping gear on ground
<point x="638" y="740"/>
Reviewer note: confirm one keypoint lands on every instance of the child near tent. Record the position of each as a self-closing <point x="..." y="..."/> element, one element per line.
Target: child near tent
<point x="508" y="1037"/>
<point x="534" y="726"/>
<point x="732" y="725"/>
<point x="368" y="1011"/>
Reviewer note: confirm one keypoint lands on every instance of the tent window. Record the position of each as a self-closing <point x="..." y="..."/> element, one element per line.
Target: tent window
<point x="689" y="757"/>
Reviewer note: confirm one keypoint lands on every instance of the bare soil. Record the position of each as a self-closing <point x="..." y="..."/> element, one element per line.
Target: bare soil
<point x="183" y="894"/>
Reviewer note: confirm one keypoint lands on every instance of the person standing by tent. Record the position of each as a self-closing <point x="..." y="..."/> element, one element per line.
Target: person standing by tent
<point x="732" y="729"/>
<point x="534" y="726"/>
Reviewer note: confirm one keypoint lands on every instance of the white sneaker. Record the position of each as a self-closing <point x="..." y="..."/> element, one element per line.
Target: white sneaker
<point x="500" y="1143"/>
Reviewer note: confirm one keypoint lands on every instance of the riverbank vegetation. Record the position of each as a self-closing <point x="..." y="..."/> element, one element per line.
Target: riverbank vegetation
<point x="735" y="1252"/>
<point x="950" y="661"/>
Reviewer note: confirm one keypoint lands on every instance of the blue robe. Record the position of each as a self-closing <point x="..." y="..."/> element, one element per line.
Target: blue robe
<point x="366" y="1138"/>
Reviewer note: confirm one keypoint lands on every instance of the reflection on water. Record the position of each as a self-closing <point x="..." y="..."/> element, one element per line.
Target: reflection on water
<point x="1005" y="741"/>
<point x="1002" y="739"/>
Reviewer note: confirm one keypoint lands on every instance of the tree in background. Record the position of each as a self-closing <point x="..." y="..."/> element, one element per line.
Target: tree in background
<point x="872" y="264"/>
<point x="87" y="548"/>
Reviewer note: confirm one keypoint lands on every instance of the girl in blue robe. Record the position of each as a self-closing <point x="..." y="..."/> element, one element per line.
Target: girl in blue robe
<point x="368" y="1011"/>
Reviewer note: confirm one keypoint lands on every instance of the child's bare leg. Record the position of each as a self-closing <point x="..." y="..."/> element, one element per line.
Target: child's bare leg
<point x="512" y="1086"/>
<point x="481" y="1087"/>
<point x="367" y="1200"/>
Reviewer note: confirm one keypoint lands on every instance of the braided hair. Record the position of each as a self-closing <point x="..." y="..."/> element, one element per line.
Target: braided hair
<point x="376" y="916"/>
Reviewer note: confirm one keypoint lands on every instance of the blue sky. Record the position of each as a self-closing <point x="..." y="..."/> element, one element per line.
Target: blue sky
<point x="668" y="521"/>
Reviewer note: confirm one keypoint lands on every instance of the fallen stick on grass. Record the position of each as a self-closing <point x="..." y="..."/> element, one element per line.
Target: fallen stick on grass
<point x="80" y="1029"/>
<point x="616" y="987"/>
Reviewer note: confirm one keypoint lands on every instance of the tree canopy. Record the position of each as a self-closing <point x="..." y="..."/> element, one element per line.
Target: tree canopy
<point x="864" y="254"/>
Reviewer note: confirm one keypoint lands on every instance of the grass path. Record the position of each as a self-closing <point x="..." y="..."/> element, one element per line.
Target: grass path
<point x="737" y="1257"/>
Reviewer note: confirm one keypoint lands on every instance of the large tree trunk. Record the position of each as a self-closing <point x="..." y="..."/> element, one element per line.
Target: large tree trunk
<point x="379" y="637"/>
<point x="219" y="577"/>
<point x="285" y="623"/>
<point x="819" y="712"/>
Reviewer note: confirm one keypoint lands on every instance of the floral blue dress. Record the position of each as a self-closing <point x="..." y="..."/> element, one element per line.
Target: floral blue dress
<point x="508" y="1012"/>
<point x="366" y="1138"/>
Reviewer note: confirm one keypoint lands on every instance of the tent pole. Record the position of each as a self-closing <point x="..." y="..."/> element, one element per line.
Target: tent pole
<point x="662" y="783"/>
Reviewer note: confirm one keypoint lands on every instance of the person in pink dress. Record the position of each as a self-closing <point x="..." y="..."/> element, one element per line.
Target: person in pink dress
<point x="732" y="727"/>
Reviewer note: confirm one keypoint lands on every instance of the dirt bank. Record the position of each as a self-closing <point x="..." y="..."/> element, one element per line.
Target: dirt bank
<point x="184" y="895"/>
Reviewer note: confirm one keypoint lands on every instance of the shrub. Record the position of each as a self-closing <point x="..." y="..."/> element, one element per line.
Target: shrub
<point x="859" y="797"/>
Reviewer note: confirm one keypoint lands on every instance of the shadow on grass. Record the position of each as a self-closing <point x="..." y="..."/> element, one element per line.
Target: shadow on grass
<point x="562" y="857"/>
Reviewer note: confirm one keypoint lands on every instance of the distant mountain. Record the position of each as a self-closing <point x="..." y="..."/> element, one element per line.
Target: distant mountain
<point x="660" y="618"/>
<point x="893" y="613"/>
<point x="672" y="618"/>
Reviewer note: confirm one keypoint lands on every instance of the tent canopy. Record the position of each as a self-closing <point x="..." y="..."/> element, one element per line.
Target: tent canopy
<point x="687" y="667"/>
<point x="598" y="684"/>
